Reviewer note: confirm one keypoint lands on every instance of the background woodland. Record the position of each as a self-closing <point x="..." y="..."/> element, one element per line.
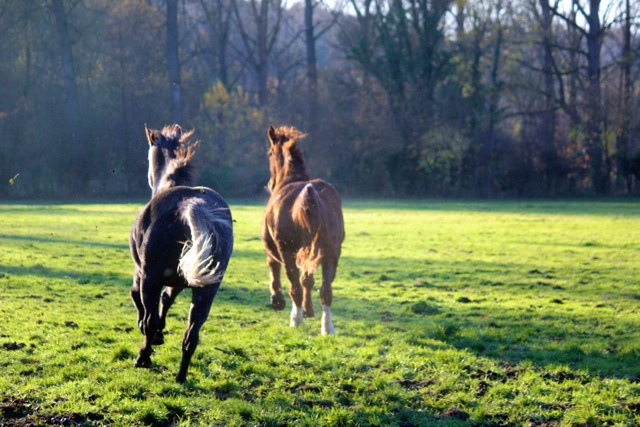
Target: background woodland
<point x="401" y="98"/>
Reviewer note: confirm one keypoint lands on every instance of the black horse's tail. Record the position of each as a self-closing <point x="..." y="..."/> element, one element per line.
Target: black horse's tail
<point x="198" y="263"/>
<point x="306" y="212"/>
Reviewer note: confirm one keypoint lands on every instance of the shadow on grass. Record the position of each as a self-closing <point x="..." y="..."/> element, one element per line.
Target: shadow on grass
<point x="542" y="325"/>
<point x="68" y="242"/>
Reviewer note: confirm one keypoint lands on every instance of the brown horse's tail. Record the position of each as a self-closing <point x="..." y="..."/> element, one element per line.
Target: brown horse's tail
<point x="306" y="214"/>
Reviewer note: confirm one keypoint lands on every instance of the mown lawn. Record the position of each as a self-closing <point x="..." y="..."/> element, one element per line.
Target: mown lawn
<point x="447" y="313"/>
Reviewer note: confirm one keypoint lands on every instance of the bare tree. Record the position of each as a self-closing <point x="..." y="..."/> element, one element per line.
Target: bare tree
<point x="312" y="66"/>
<point x="400" y="43"/>
<point x="623" y="140"/>
<point x="218" y="16"/>
<point x="592" y="32"/>
<point x="548" y="124"/>
<point x="312" y="33"/>
<point x="258" y="44"/>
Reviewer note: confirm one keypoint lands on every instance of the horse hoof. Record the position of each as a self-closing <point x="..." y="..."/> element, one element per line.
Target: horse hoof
<point x="158" y="338"/>
<point x="142" y="363"/>
<point x="180" y="379"/>
<point x="277" y="302"/>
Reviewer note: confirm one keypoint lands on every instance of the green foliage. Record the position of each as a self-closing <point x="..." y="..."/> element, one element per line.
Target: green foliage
<point x="235" y="156"/>
<point x="447" y="313"/>
<point x="441" y="158"/>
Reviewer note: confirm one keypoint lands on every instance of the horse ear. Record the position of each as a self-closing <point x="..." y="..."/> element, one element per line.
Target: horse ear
<point x="272" y="135"/>
<point x="150" y="136"/>
<point x="178" y="131"/>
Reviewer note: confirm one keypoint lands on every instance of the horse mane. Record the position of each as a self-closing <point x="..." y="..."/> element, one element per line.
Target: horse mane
<point x="295" y="168"/>
<point x="174" y="133"/>
<point x="288" y="133"/>
<point x="179" y="169"/>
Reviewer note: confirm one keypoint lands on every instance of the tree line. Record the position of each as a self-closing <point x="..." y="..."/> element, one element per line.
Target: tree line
<point x="407" y="98"/>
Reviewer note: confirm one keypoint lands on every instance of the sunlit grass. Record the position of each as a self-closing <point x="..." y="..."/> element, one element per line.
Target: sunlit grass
<point x="447" y="313"/>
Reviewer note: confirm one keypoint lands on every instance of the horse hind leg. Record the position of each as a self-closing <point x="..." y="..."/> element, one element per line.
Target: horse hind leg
<point x="201" y="301"/>
<point x="307" y="296"/>
<point x="329" y="268"/>
<point x="168" y="297"/>
<point x="150" y="297"/>
<point x="137" y="300"/>
<point x="295" y="291"/>
<point x="277" y="298"/>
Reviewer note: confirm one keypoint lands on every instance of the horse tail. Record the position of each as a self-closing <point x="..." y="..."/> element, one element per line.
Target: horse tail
<point x="306" y="214"/>
<point x="198" y="263"/>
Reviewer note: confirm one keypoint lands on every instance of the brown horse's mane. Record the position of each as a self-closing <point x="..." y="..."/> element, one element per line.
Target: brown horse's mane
<point x="294" y="168"/>
<point x="288" y="133"/>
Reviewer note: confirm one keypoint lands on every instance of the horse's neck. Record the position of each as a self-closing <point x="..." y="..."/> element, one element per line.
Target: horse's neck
<point x="169" y="181"/>
<point x="162" y="185"/>
<point x="294" y="173"/>
<point x="291" y="178"/>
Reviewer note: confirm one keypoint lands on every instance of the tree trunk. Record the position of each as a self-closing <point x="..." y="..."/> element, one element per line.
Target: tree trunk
<point x="494" y="100"/>
<point x="623" y="138"/>
<point x="312" y="71"/>
<point x="548" y="118"/>
<point x="173" y="60"/>
<point x="460" y="18"/>
<point x="223" y="42"/>
<point x="218" y="18"/>
<point x="263" y="52"/>
<point x="599" y="175"/>
<point x="549" y="115"/>
<point x="68" y="77"/>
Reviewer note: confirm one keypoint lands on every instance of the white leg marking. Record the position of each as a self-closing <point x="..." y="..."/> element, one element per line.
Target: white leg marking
<point x="327" y="325"/>
<point x="296" y="315"/>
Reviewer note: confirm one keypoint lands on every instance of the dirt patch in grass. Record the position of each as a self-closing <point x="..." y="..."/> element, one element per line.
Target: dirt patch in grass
<point x="414" y="384"/>
<point x="456" y="413"/>
<point x="11" y="346"/>
<point x="18" y="412"/>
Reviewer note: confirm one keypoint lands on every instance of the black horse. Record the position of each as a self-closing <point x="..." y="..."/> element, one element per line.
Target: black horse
<point x="183" y="238"/>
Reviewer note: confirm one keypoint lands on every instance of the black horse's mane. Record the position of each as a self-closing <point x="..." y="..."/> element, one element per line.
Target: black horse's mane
<point x="180" y="169"/>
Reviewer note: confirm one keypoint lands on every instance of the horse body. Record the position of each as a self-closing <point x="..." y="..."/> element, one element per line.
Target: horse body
<point x="182" y="238"/>
<point x="303" y="228"/>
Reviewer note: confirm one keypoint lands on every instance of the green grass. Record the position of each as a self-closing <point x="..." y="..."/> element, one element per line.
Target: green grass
<point x="447" y="313"/>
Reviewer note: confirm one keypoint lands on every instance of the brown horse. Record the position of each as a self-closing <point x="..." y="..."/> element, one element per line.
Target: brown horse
<point x="302" y="229"/>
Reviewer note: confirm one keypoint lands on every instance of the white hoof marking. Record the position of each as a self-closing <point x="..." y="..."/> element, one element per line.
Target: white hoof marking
<point x="296" y="316"/>
<point x="327" y="324"/>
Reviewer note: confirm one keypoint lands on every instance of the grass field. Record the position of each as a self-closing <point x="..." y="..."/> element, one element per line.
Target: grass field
<point x="447" y="313"/>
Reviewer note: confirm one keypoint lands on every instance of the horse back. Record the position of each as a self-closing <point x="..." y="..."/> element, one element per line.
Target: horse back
<point x="301" y="213"/>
